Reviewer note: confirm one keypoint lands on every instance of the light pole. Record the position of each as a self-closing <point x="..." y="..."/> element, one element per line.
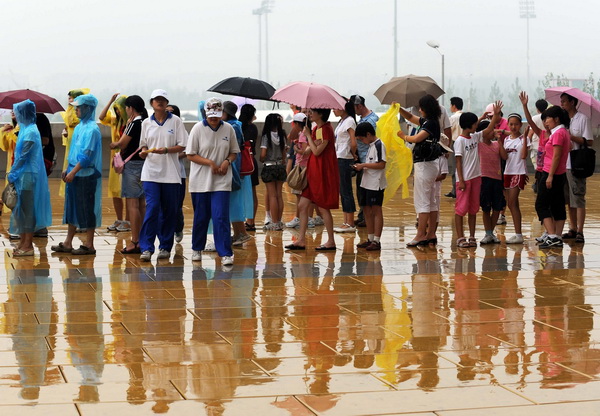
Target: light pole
<point x="264" y="9"/>
<point x="395" y="38"/>
<point x="527" y="11"/>
<point x="435" y="45"/>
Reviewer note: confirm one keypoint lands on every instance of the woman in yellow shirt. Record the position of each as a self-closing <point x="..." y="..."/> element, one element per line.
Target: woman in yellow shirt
<point x="71" y="121"/>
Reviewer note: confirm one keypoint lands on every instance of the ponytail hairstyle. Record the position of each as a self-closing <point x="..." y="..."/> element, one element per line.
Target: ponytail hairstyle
<point x="273" y="122"/>
<point x="137" y="103"/>
<point x="557" y="111"/>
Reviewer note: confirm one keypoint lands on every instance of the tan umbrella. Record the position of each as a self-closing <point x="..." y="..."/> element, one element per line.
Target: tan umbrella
<point x="407" y="90"/>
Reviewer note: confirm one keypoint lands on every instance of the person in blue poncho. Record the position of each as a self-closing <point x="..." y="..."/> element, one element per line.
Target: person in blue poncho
<point x="83" y="176"/>
<point x="33" y="211"/>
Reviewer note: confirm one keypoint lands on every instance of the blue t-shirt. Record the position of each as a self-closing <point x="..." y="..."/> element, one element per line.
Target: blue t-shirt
<point x="363" y="149"/>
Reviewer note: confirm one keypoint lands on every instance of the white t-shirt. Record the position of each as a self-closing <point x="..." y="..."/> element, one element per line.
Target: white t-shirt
<point x="515" y="165"/>
<point x="455" y="125"/>
<point x="213" y="145"/>
<point x="580" y="127"/>
<point x="467" y="148"/>
<point x="443" y="163"/>
<point x="342" y="138"/>
<point x="374" y="179"/>
<point x="158" y="167"/>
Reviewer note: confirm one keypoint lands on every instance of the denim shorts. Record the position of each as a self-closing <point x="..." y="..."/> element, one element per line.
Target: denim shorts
<point x="131" y="184"/>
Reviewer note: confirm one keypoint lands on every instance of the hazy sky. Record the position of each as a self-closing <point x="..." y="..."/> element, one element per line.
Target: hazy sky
<point x="54" y="46"/>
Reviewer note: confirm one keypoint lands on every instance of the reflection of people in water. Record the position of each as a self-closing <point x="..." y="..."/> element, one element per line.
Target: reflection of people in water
<point x="164" y="333"/>
<point x="83" y="326"/>
<point x="29" y="293"/>
<point x="273" y="293"/>
<point x="429" y="328"/>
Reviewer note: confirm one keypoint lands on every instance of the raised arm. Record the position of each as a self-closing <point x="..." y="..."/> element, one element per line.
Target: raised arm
<point x="524" y="100"/>
<point x="489" y="130"/>
<point x="410" y="117"/>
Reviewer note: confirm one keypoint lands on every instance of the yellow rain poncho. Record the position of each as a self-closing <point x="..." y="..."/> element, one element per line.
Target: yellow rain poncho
<point x="399" y="162"/>
<point x="71" y="121"/>
<point x="8" y="142"/>
<point x="116" y="118"/>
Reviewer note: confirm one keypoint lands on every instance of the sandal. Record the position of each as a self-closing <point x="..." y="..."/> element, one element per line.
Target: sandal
<point x="83" y="250"/>
<point x="416" y="243"/>
<point x="570" y="235"/>
<point x="472" y="242"/>
<point x="324" y="248"/>
<point x="579" y="238"/>
<point x="432" y="241"/>
<point x="250" y="227"/>
<point x="294" y="247"/>
<point x="462" y="243"/>
<point x="17" y="252"/>
<point x="60" y="248"/>
<point x="135" y="250"/>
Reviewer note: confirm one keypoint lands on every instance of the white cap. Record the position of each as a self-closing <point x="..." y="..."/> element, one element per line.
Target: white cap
<point x="300" y="117"/>
<point x="213" y="108"/>
<point x="159" y="93"/>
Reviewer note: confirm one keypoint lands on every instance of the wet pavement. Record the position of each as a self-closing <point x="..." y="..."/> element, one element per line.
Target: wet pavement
<point x="490" y="330"/>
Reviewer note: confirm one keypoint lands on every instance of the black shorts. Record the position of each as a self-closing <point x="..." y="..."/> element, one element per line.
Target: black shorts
<point x="273" y="173"/>
<point x="492" y="195"/>
<point x="369" y="198"/>
<point x="550" y="203"/>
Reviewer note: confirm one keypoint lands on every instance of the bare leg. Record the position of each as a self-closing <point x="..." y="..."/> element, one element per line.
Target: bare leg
<point x="377" y="214"/>
<point x="513" y="204"/>
<point x="572" y="218"/>
<point x="71" y="230"/>
<point x="328" y="220"/>
<point x="422" y="228"/>
<point x="432" y="224"/>
<point x="89" y="238"/>
<point x="472" y="223"/>
<point x="487" y="221"/>
<point x="368" y="213"/>
<point x="580" y="219"/>
<point x="458" y="222"/>
<point x="303" y="206"/>
<point x="26" y="242"/>
<point x="118" y="205"/>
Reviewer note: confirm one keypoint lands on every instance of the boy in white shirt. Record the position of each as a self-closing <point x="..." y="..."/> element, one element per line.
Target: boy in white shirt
<point x="468" y="173"/>
<point x="372" y="185"/>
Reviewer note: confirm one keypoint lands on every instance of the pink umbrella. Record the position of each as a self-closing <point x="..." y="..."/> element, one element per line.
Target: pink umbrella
<point x="588" y="105"/>
<point x="309" y="95"/>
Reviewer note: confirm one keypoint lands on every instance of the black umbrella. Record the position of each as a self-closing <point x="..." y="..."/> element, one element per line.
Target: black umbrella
<point x="244" y="87"/>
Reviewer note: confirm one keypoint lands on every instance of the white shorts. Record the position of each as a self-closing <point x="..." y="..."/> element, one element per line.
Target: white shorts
<point x="426" y="194"/>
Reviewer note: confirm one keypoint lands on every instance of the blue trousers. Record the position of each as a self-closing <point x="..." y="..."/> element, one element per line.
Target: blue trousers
<point x="215" y="206"/>
<point x="161" y="215"/>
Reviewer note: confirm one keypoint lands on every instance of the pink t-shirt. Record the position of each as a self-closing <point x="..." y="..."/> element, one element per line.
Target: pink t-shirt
<point x="559" y="137"/>
<point x="540" y="151"/>
<point x="503" y="125"/>
<point x="302" y="160"/>
<point x="489" y="159"/>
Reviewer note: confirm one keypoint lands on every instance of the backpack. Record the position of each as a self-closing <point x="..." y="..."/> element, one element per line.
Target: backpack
<point x="247" y="165"/>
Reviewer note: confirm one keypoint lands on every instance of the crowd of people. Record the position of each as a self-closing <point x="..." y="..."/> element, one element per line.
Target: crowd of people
<point x="488" y="154"/>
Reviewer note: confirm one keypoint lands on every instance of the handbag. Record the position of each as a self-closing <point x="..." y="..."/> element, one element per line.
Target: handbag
<point x="583" y="161"/>
<point x="9" y="196"/>
<point x="426" y="150"/>
<point x="297" y="178"/>
<point x="119" y="163"/>
<point x="247" y="159"/>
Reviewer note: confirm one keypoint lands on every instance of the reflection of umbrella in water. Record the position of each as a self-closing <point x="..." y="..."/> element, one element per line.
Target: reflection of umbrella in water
<point x="43" y="103"/>
<point x="587" y="105"/>
<point x="407" y="90"/>
<point x="244" y="87"/>
<point x="309" y="95"/>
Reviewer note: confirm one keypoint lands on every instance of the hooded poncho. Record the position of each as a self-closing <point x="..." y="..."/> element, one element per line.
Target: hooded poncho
<point x="28" y="173"/>
<point x="86" y="149"/>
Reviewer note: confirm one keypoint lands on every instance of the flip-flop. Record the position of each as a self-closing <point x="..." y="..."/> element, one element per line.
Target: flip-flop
<point x="294" y="247"/>
<point x="323" y="248"/>
<point x="17" y="252"/>
<point x="60" y="248"/>
<point x="83" y="250"/>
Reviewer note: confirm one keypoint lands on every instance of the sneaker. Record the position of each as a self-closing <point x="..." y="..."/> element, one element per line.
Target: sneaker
<point x="209" y="248"/>
<point x="501" y="220"/>
<point x="293" y="223"/>
<point x="124" y="226"/>
<point x="178" y="237"/>
<point x="451" y="195"/>
<point x="227" y="261"/>
<point x="319" y="221"/>
<point x="274" y="226"/>
<point x="542" y="238"/>
<point x="163" y="254"/>
<point x="196" y="255"/>
<point x="515" y="239"/>
<point x="14" y="237"/>
<point x="487" y="239"/>
<point x="345" y="228"/>
<point x="113" y="226"/>
<point x="311" y="223"/>
<point x="554" y="242"/>
<point x="146" y="256"/>
<point x="374" y="246"/>
<point x="268" y="219"/>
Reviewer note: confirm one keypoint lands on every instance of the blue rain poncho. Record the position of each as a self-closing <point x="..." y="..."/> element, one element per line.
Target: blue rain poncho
<point x="85" y="150"/>
<point x="241" y="204"/>
<point x="28" y="173"/>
